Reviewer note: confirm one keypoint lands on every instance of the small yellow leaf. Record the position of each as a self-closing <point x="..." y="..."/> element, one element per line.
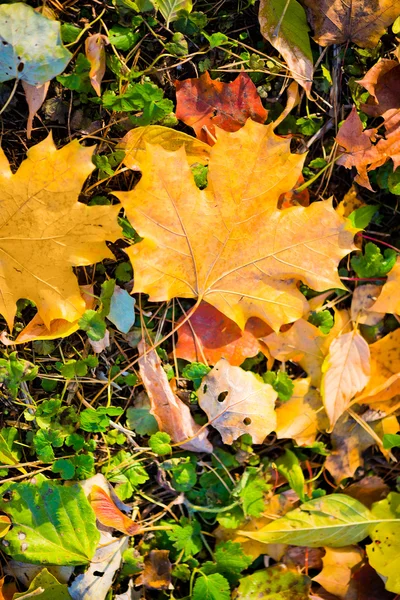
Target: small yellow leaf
<point x="338" y="566"/>
<point x="389" y="299"/>
<point x="5" y="524"/>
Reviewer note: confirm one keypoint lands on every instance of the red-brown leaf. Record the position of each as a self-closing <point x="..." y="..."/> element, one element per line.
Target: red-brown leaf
<point x="109" y="514"/>
<point x="204" y="103"/>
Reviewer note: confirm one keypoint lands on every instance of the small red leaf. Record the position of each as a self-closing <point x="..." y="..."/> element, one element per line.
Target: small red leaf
<point x="109" y="514"/>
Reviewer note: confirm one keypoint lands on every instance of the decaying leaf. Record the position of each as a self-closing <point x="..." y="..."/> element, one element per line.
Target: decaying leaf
<point x="277" y="583"/>
<point x="301" y="417"/>
<point x="172" y="415"/>
<point x="134" y="144"/>
<point x="389" y="299"/>
<point x="31" y="47"/>
<point x="46" y="231"/>
<point x="96" y="55"/>
<point x="157" y="571"/>
<point x="364" y="297"/>
<point x="368" y="490"/>
<point x="286" y="28"/>
<point x="349" y="440"/>
<point x="350" y="202"/>
<point x="204" y="103"/>
<point x="336" y="575"/>
<point x="369" y="585"/>
<point x="382" y="82"/>
<point x="239" y="278"/>
<point x="362" y="22"/>
<point x="236" y="402"/>
<point x="35" y="96"/>
<point x="109" y="514"/>
<point x="346" y="371"/>
<point x="209" y="335"/>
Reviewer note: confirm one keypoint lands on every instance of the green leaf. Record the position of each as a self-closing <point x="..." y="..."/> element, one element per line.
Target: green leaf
<point x="288" y="465"/>
<point x="230" y="561"/>
<point x="200" y="175"/>
<point x="31" y="45"/>
<point x="372" y="263"/>
<point x="78" y="80"/>
<point x="336" y="520"/>
<point x="361" y="217"/>
<point x="140" y="420"/>
<point x="195" y="372"/>
<point x="160" y="443"/>
<point x="216" y="39"/>
<point x="190" y="23"/>
<point x="52" y="588"/>
<point x="170" y="8"/>
<point x="274" y="583"/>
<point x="281" y="383"/>
<point x="52" y="524"/>
<point x="124" y="272"/>
<point x="384" y="552"/>
<point x="127" y="473"/>
<point x="186" y="537"/>
<point x="183" y="473"/>
<point x="178" y="45"/>
<point x="69" y="32"/>
<point x="322" y="319"/>
<point x="94" y="325"/>
<point x="96" y="420"/>
<point x="251" y="490"/>
<point x="65" y="467"/>
<point x="9" y="451"/>
<point x="44" y="441"/>
<point x="211" y="587"/>
<point x="123" y="38"/>
<point x="84" y="466"/>
<point x="391" y="440"/>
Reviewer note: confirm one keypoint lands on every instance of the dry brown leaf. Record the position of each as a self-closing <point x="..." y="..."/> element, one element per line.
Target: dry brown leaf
<point x="134" y="144"/>
<point x="382" y="82"/>
<point x="303" y="557"/>
<point x="236" y="402"/>
<point x="349" y="441"/>
<point x="346" y="371"/>
<point x="368" y="490"/>
<point x="364" y="296"/>
<point x="239" y="278"/>
<point x="157" y="571"/>
<point x="35" y="96"/>
<point x="46" y="231"/>
<point x="362" y="22"/>
<point x="172" y="415"/>
<point x="96" y="55"/>
<point x="389" y="299"/>
<point x="301" y="417"/>
<point x="384" y="382"/>
<point x="339" y="565"/>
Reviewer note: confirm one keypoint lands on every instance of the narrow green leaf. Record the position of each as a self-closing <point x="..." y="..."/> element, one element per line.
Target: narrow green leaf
<point x="361" y="217"/>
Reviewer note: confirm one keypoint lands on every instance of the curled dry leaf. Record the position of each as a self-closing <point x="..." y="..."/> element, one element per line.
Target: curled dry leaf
<point x="339" y="564"/>
<point x="362" y="22"/>
<point x="301" y="417"/>
<point x="209" y="335"/>
<point x="346" y="371"/>
<point x="239" y="278"/>
<point x="204" y="103"/>
<point x="236" y="402"/>
<point x="134" y="144"/>
<point x="172" y="415"/>
<point x="157" y="571"/>
<point x="364" y="296"/>
<point x="382" y="82"/>
<point x="109" y="514"/>
<point x="389" y="299"/>
<point x="35" y="96"/>
<point x="368" y="490"/>
<point x="96" y="55"/>
<point x="55" y="232"/>
<point x="287" y="31"/>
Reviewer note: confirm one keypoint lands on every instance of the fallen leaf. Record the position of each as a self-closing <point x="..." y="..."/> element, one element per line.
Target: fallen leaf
<point x="96" y="55"/>
<point x="99" y="346"/>
<point x="157" y="571"/>
<point x="96" y="581"/>
<point x="382" y="82"/>
<point x="109" y="514"/>
<point x="384" y="382"/>
<point x="339" y="565"/>
<point x="364" y="297"/>
<point x="277" y="583"/>
<point x="25" y="573"/>
<point x="7" y="590"/>
<point x="349" y="440"/>
<point x="209" y="335"/>
<point x="241" y="280"/>
<point x="368" y="490"/>
<point x="350" y="202"/>
<point x="346" y="371"/>
<point x="59" y="328"/>
<point x="294" y="198"/>
<point x="172" y="415"/>
<point x="122" y="309"/>
<point x="303" y="557"/>
<point x="204" y="103"/>
<point x="369" y="585"/>
<point x="54" y="231"/>
<point x="287" y="30"/>
<point x="389" y="298"/>
<point x="52" y="589"/>
<point x="236" y="402"/>
<point x="362" y="22"/>
<point x="35" y="96"/>
<point x="301" y="417"/>
<point x="134" y="144"/>
<point x="170" y="8"/>
<point x="31" y="45"/>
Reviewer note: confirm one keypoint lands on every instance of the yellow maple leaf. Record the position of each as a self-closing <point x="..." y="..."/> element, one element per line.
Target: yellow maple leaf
<point x="229" y="244"/>
<point x="45" y="231"/>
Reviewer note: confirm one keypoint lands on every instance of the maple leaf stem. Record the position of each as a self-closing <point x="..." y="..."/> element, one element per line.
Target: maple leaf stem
<point x="364" y="278"/>
<point x="367" y="237"/>
<point x="306" y="184"/>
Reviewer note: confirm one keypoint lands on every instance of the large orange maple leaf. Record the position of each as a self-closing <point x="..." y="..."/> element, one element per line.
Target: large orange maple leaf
<point x="45" y="231"/>
<point x="229" y="244"/>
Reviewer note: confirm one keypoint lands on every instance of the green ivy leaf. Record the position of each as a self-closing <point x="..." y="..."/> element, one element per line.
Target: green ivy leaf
<point x="78" y="80"/>
<point x="96" y="420"/>
<point x="139" y="419"/>
<point x="211" y="587"/>
<point x="64" y="467"/>
<point x="44" y="441"/>
<point x="94" y="325"/>
<point x="322" y="319"/>
<point x="372" y="263"/>
<point x="160" y="443"/>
